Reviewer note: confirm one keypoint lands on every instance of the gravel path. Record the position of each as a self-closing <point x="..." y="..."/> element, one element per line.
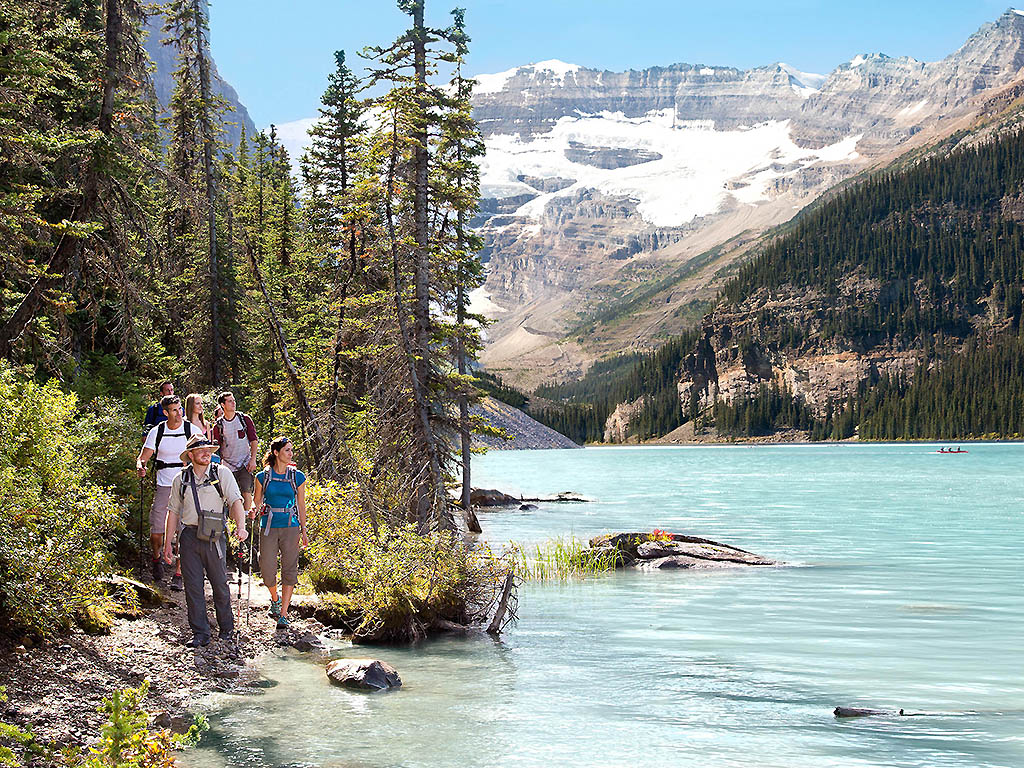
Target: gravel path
<point x="56" y="688"/>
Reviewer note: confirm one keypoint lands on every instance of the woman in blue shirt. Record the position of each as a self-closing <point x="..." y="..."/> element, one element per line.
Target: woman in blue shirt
<point x="280" y="500"/>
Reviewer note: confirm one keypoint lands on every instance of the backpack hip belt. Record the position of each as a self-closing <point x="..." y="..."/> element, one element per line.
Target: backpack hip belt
<point x="268" y="516"/>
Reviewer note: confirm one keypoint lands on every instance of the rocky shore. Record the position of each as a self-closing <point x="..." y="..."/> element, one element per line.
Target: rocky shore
<point x="54" y="688"/>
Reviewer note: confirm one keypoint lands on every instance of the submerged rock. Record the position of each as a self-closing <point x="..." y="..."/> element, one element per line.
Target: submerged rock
<point x="307" y="641"/>
<point x="857" y="712"/>
<point x="363" y="674"/>
<point x="527" y="507"/>
<point x="174" y="723"/>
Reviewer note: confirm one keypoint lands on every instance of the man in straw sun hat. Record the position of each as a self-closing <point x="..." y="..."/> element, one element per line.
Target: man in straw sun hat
<point x="198" y="497"/>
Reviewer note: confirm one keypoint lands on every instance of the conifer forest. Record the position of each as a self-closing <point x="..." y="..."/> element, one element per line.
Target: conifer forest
<point x="139" y="246"/>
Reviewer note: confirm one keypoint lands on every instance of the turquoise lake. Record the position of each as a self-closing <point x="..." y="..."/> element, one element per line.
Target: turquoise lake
<point x="905" y="590"/>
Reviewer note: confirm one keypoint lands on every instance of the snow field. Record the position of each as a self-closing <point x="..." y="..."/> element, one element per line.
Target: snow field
<point x="698" y="162"/>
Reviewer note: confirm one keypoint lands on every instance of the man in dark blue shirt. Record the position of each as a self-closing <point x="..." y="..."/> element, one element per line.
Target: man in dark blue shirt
<point x="155" y="414"/>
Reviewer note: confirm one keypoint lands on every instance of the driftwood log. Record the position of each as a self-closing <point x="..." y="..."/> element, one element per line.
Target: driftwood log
<point x="499" y="614"/>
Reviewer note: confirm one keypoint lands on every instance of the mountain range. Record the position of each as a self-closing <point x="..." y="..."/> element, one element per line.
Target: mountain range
<point x="617" y="204"/>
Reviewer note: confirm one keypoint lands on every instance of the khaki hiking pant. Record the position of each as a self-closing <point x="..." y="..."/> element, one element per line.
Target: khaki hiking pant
<point x="285" y="541"/>
<point x="199" y="560"/>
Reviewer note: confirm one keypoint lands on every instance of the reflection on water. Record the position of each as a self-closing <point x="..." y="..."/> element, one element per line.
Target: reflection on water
<point x="910" y="598"/>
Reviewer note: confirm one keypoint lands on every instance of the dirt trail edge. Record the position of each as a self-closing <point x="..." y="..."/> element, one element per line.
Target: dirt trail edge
<point x="55" y="689"/>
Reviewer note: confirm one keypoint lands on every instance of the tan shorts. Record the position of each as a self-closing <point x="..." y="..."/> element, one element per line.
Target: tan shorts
<point x="158" y="512"/>
<point x="285" y="541"/>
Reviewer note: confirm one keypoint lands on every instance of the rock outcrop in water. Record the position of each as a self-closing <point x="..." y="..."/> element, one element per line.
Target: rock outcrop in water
<point x="490" y="497"/>
<point x="661" y="551"/>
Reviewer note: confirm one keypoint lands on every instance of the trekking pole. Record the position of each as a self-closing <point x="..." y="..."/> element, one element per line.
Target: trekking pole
<point x="238" y="608"/>
<point x="248" y="589"/>
<point x="142" y="507"/>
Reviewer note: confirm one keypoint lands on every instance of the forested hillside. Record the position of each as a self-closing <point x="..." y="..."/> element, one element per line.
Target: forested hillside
<point x="914" y="275"/>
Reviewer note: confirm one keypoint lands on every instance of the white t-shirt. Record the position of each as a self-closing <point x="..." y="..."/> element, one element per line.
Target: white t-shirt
<point x="171" y="445"/>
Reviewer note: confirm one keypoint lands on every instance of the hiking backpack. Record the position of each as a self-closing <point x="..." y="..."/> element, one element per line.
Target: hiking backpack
<point x="219" y="423"/>
<point x="214" y="480"/>
<point x="160" y="429"/>
<point x="289" y="476"/>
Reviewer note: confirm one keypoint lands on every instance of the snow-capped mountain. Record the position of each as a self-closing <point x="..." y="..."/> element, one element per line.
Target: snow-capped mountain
<point x="615" y="202"/>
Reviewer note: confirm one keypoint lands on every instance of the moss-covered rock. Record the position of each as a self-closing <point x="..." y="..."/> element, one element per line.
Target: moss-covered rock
<point x="96" y="617"/>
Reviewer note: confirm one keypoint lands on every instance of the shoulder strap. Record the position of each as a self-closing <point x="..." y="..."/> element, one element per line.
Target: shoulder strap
<point x="195" y="492"/>
<point x="289" y="475"/>
<point x="185" y="476"/>
<point x="188" y="428"/>
<point x="159" y="436"/>
<point x="215" y="479"/>
<point x="188" y="477"/>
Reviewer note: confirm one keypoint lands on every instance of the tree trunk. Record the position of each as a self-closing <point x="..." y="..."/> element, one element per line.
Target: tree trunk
<point x="335" y="401"/>
<point x="499" y="613"/>
<point x="305" y="412"/>
<point x="421" y="257"/>
<point x="206" y="126"/>
<point x="424" y="498"/>
<point x="464" y="431"/>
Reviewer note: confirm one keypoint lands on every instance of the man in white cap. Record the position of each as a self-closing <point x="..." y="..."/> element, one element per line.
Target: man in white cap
<point x="198" y="497"/>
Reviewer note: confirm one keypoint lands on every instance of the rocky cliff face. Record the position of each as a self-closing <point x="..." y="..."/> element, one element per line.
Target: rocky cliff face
<point x="165" y="59"/>
<point x="617" y="201"/>
<point x="741" y="350"/>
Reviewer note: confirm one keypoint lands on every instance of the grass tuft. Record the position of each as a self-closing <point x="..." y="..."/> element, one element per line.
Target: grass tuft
<point x="562" y="559"/>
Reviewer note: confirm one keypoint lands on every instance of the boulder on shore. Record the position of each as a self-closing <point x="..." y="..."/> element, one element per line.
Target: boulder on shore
<point x="363" y="674"/>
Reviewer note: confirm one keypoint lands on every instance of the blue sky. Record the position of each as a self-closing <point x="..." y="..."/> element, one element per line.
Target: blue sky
<point x="277" y="54"/>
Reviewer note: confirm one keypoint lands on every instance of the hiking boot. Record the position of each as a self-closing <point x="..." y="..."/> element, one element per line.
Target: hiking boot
<point x="176" y="584"/>
<point x="275" y="609"/>
<point x="158" y="570"/>
<point x="283" y="623"/>
<point x="198" y="642"/>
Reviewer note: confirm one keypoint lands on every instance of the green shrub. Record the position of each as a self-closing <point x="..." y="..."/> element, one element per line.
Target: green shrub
<point x="54" y="516"/>
<point x="325" y="580"/>
<point x="397" y="582"/>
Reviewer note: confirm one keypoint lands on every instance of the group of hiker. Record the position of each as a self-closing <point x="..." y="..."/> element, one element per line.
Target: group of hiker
<point x="204" y="473"/>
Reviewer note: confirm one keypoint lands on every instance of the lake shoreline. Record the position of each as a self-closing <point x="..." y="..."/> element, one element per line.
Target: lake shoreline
<point x="55" y="688"/>
<point x="747" y="442"/>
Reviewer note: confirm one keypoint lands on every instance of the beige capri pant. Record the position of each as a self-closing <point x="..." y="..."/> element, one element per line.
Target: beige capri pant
<point x="285" y="541"/>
